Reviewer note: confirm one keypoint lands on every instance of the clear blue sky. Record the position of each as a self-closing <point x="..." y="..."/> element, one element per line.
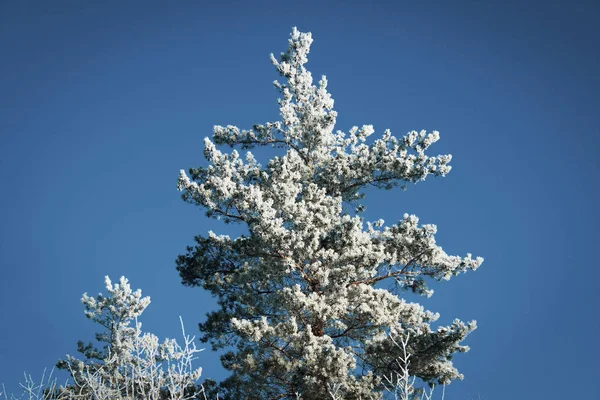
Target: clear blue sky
<point x="102" y="102"/>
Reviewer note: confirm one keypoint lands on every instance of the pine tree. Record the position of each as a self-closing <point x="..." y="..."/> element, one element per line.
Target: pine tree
<point x="129" y="365"/>
<point x="299" y="293"/>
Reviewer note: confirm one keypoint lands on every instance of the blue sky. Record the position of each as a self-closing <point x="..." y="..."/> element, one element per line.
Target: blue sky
<point x="101" y="104"/>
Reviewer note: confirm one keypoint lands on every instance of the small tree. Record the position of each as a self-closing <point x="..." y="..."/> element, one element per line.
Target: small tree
<point x="298" y="293"/>
<point x="130" y="365"/>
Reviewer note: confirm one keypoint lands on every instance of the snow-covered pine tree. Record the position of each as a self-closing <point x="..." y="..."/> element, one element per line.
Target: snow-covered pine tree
<point x="298" y="293"/>
<point x="130" y="365"/>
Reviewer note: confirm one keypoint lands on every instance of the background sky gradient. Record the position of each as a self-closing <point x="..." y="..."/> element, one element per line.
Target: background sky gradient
<point x="102" y="102"/>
